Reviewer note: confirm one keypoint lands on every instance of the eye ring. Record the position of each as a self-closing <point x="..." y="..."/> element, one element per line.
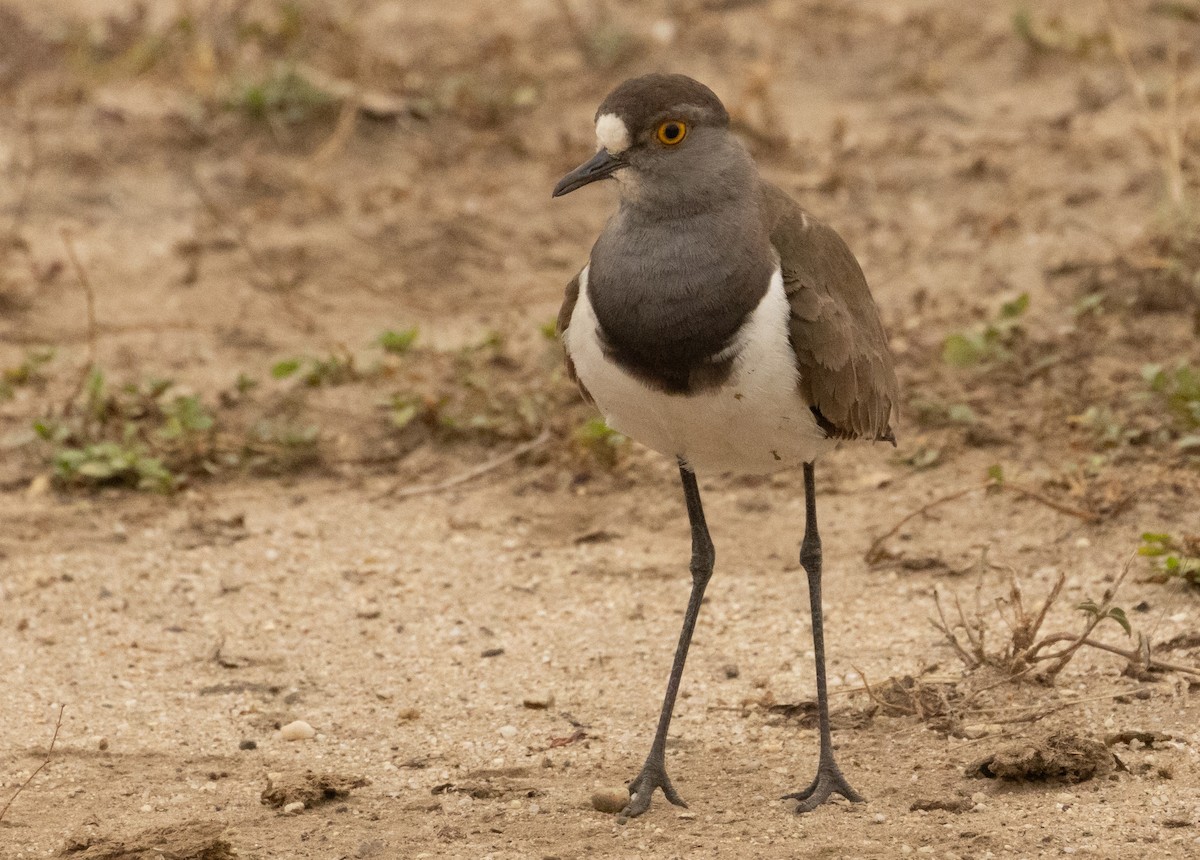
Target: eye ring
<point x="671" y="132"/>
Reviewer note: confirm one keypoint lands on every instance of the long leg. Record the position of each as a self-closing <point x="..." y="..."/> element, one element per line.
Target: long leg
<point x="829" y="777"/>
<point x="654" y="772"/>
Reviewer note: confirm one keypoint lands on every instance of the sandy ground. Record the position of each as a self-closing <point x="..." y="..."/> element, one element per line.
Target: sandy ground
<point x="478" y="661"/>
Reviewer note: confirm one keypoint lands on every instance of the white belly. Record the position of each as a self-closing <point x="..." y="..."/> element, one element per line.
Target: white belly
<point x="755" y="422"/>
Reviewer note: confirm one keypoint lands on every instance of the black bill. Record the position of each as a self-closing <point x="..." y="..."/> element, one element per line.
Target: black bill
<point x="601" y="166"/>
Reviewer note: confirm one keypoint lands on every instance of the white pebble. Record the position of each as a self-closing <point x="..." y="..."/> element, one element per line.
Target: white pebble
<point x="293" y="808"/>
<point x="147" y="808"/>
<point x="298" y="731"/>
<point x="879" y="818"/>
<point x="508" y="732"/>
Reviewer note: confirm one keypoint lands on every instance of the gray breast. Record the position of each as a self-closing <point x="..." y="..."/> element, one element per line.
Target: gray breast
<point x="670" y="295"/>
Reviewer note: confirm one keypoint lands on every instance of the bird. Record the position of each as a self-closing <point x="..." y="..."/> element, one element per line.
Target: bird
<point x="719" y="323"/>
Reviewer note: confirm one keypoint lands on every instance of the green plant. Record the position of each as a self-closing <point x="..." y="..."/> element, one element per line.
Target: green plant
<point x="600" y="441"/>
<point x="133" y="435"/>
<point x="1174" y="557"/>
<point x="278" y="446"/>
<point x="112" y="463"/>
<point x="317" y="372"/>
<point x="284" y="94"/>
<point x="990" y="342"/>
<point x="1052" y="35"/>
<point x="404" y="409"/>
<point x="1098" y="613"/>
<point x="28" y="372"/>
<point x="1178" y="389"/>
<point x="1104" y="426"/>
<point x="398" y="342"/>
<point x="184" y="417"/>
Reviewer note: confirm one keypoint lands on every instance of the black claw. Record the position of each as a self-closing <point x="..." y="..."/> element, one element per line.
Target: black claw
<point x="829" y="781"/>
<point x="641" y="790"/>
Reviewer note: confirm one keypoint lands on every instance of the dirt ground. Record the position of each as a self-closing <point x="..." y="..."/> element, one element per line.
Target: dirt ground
<point x="241" y="197"/>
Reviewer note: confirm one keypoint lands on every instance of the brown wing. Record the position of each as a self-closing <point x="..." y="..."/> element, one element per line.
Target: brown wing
<point x="560" y="327"/>
<point x="846" y="370"/>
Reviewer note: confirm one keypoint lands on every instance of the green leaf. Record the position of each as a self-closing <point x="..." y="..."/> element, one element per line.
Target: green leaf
<point x="1090" y="303"/>
<point x="961" y="413"/>
<point x="398" y="342"/>
<point x="285" y="368"/>
<point x="1015" y="308"/>
<point x="402" y="416"/>
<point x="959" y="350"/>
<point x="245" y="383"/>
<point x="1117" y="614"/>
<point x="995" y="473"/>
<point x="95" y="384"/>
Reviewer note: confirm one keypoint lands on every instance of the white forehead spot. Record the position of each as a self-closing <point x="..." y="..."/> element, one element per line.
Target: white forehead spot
<point x="612" y="133"/>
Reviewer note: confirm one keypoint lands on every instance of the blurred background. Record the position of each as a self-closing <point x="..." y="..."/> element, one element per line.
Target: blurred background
<point x="285" y="433"/>
<point x="261" y="237"/>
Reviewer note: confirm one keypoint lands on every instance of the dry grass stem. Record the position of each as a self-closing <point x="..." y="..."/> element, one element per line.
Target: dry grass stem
<point x="276" y="283"/>
<point x="1023" y="653"/>
<point x="45" y="761"/>
<point x="1165" y="133"/>
<point x="397" y="491"/>
<point x="876" y="552"/>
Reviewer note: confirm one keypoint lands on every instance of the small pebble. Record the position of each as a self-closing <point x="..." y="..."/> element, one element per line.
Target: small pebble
<point x="508" y="732"/>
<point x="611" y="800"/>
<point x="879" y="818"/>
<point x="293" y="808"/>
<point x="731" y="670"/>
<point x="248" y="744"/>
<point x="147" y="808"/>
<point x="102" y="743"/>
<point x="540" y="701"/>
<point x="297" y="731"/>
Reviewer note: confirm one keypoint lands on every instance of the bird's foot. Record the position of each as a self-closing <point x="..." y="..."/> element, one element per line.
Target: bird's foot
<point x="653" y="775"/>
<point x="828" y="781"/>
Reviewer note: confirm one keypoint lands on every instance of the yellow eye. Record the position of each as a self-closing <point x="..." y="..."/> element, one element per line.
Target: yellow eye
<point x="671" y="132"/>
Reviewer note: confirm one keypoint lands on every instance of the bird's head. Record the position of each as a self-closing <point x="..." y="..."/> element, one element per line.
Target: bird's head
<point x="666" y="139"/>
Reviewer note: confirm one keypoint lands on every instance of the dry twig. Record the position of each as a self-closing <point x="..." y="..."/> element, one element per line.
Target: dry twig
<point x="21" y="209"/>
<point x="86" y="284"/>
<point x="82" y="277"/>
<point x="1166" y="136"/>
<point x="1061" y="658"/>
<point x="277" y="285"/>
<point x="46" y="761"/>
<point x="397" y="491"/>
<point x="876" y="553"/>
<point x="1133" y="655"/>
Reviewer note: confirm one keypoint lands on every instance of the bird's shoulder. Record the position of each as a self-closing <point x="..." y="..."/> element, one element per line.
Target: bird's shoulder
<point x="846" y="367"/>
<point x="570" y="298"/>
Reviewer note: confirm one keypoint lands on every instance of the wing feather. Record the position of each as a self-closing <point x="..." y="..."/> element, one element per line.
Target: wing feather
<point x="846" y="369"/>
